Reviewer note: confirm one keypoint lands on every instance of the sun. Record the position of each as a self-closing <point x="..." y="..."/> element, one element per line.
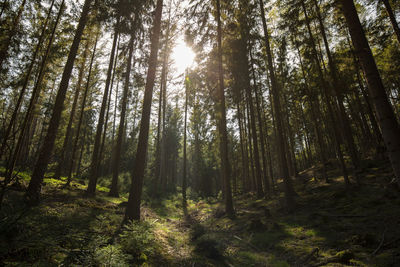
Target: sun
<point x="182" y="56"/>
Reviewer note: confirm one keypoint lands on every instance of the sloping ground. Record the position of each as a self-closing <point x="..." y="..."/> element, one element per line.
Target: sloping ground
<point x="329" y="227"/>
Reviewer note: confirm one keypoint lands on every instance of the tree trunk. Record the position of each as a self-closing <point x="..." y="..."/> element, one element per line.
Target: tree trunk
<point x="324" y="87"/>
<point x="95" y="162"/>
<point x="108" y="112"/>
<point x="26" y="81"/>
<point x="253" y="183"/>
<point x="347" y="132"/>
<point x="33" y="192"/>
<point x="78" y="131"/>
<point x="121" y="129"/>
<point x="392" y="18"/>
<point x="3" y="8"/>
<point x="245" y="160"/>
<point x="133" y="208"/>
<point x="384" y="111"/>
<point x="223" y="135"/>
<point x="289" y="191"/>
<point x="184" y="202"/>
<point x="14" y="29"/>
<point x="261" y="127"/>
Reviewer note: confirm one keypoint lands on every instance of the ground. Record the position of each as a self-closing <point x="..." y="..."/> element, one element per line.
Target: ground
<point x="329" y="227"/>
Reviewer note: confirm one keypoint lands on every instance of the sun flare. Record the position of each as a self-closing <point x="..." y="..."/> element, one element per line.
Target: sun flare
<point x="183" y="56"/>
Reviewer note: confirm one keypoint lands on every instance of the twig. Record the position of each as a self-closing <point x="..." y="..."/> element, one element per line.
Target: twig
<point x="381" y="243"/>
<point x="248" y="243"/>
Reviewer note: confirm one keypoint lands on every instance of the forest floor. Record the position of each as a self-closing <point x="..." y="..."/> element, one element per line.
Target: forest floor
<point x="329" y="227"/>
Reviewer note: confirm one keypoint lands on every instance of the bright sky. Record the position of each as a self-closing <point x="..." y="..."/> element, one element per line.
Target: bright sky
<point x="182" y="55"/>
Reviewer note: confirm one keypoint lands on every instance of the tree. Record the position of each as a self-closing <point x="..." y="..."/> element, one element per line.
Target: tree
<point x="383" y="109"/>
<point x="96" y="155"/>
<point x="33" y="191"/>
<point x="132" y="211"/>
<point x="289" y="191"/>
<point x="221" y="120"/>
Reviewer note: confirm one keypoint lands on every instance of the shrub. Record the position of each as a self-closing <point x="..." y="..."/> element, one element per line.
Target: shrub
<point x="138" y="240"/>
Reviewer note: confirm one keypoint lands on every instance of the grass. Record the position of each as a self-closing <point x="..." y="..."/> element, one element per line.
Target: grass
<point x="70" y="229"/>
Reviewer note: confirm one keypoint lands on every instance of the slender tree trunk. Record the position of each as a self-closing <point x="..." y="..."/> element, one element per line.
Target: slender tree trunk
<point x="95" y="161"/>
<point x="261" y="127"/>
<point x="289" y="191"/>
<point x="245" y="161"/>
<point x="337" y="137"/>
<point x="392" y="18"/>
<point x="4" y="6"/>
<point x="371" y="115"/>
<point x="344" y="119"/>
<point x="78" y="131"/>
<point x="61" y="162"/>
<point x="26" y="81"/>
<point x="13" y="31"/>
<point x="26" y="125"/>
<point x="253" y="183"/>
<point x="108" y="108"/>
<point x="384" y="111"/>
<point x="161" y="171"/>
<point x="33" y="192"/>
<point x="135" y="193"/>
<point x="121" y="129"/>
<point x="223" y="135"/>
<point x="184" y="202"/>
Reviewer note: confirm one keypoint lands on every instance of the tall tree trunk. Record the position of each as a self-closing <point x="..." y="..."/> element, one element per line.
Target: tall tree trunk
<point x="78" y="130"/>
<point x="108" y="110"/>
<point x="33" y="192"/>
<point x="121" y="129"/>
<point x="253" y="183"/>
<point x="3" y="8"/>
<point x="289" y="191"/>
<point x="26" y="125"/>
<point x="184" y="202"/>
<point x="223" y="135"/>
<point x="26" y="81"/>
<point x="344" y="119"/>
<point x="384" y="111"/>
<point x="13" y="31"/>
<point x="161" y="166"/>
<point x="261" y="127"/>
<point x="135" y="193"/>
<point x="95" y="162"/>
<point x="331" y="114"/>
<point x="392" y="18"/>
<point x="245" y="161"/>
<point x="61" y="168"/>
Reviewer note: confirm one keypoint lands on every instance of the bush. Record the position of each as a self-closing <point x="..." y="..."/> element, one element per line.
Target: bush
<point x="112" y="256"/>
<point x="138" y="240"/>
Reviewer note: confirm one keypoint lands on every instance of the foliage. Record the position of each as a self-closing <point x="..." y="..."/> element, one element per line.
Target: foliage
<point x="137" y="240"/>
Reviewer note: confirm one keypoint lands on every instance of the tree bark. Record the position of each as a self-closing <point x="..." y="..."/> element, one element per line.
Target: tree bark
<point x="95" y="162"/>
<point x="78" y="131"/>
<point x="184" y="202"/>
<point x="121" y="129"/>
<point x="33" y="192"/>
<point x="133" y="208"/>
<point x="347" y="132"/>
<point x="324" y="87"/>
<point x="14" y="29"/>
<point x="26" y="81"/>
<point x="392" y="18"/>
<point x="289" y="191"/>
<point x="384" y="111"/>
<point x="223" y="135"/>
